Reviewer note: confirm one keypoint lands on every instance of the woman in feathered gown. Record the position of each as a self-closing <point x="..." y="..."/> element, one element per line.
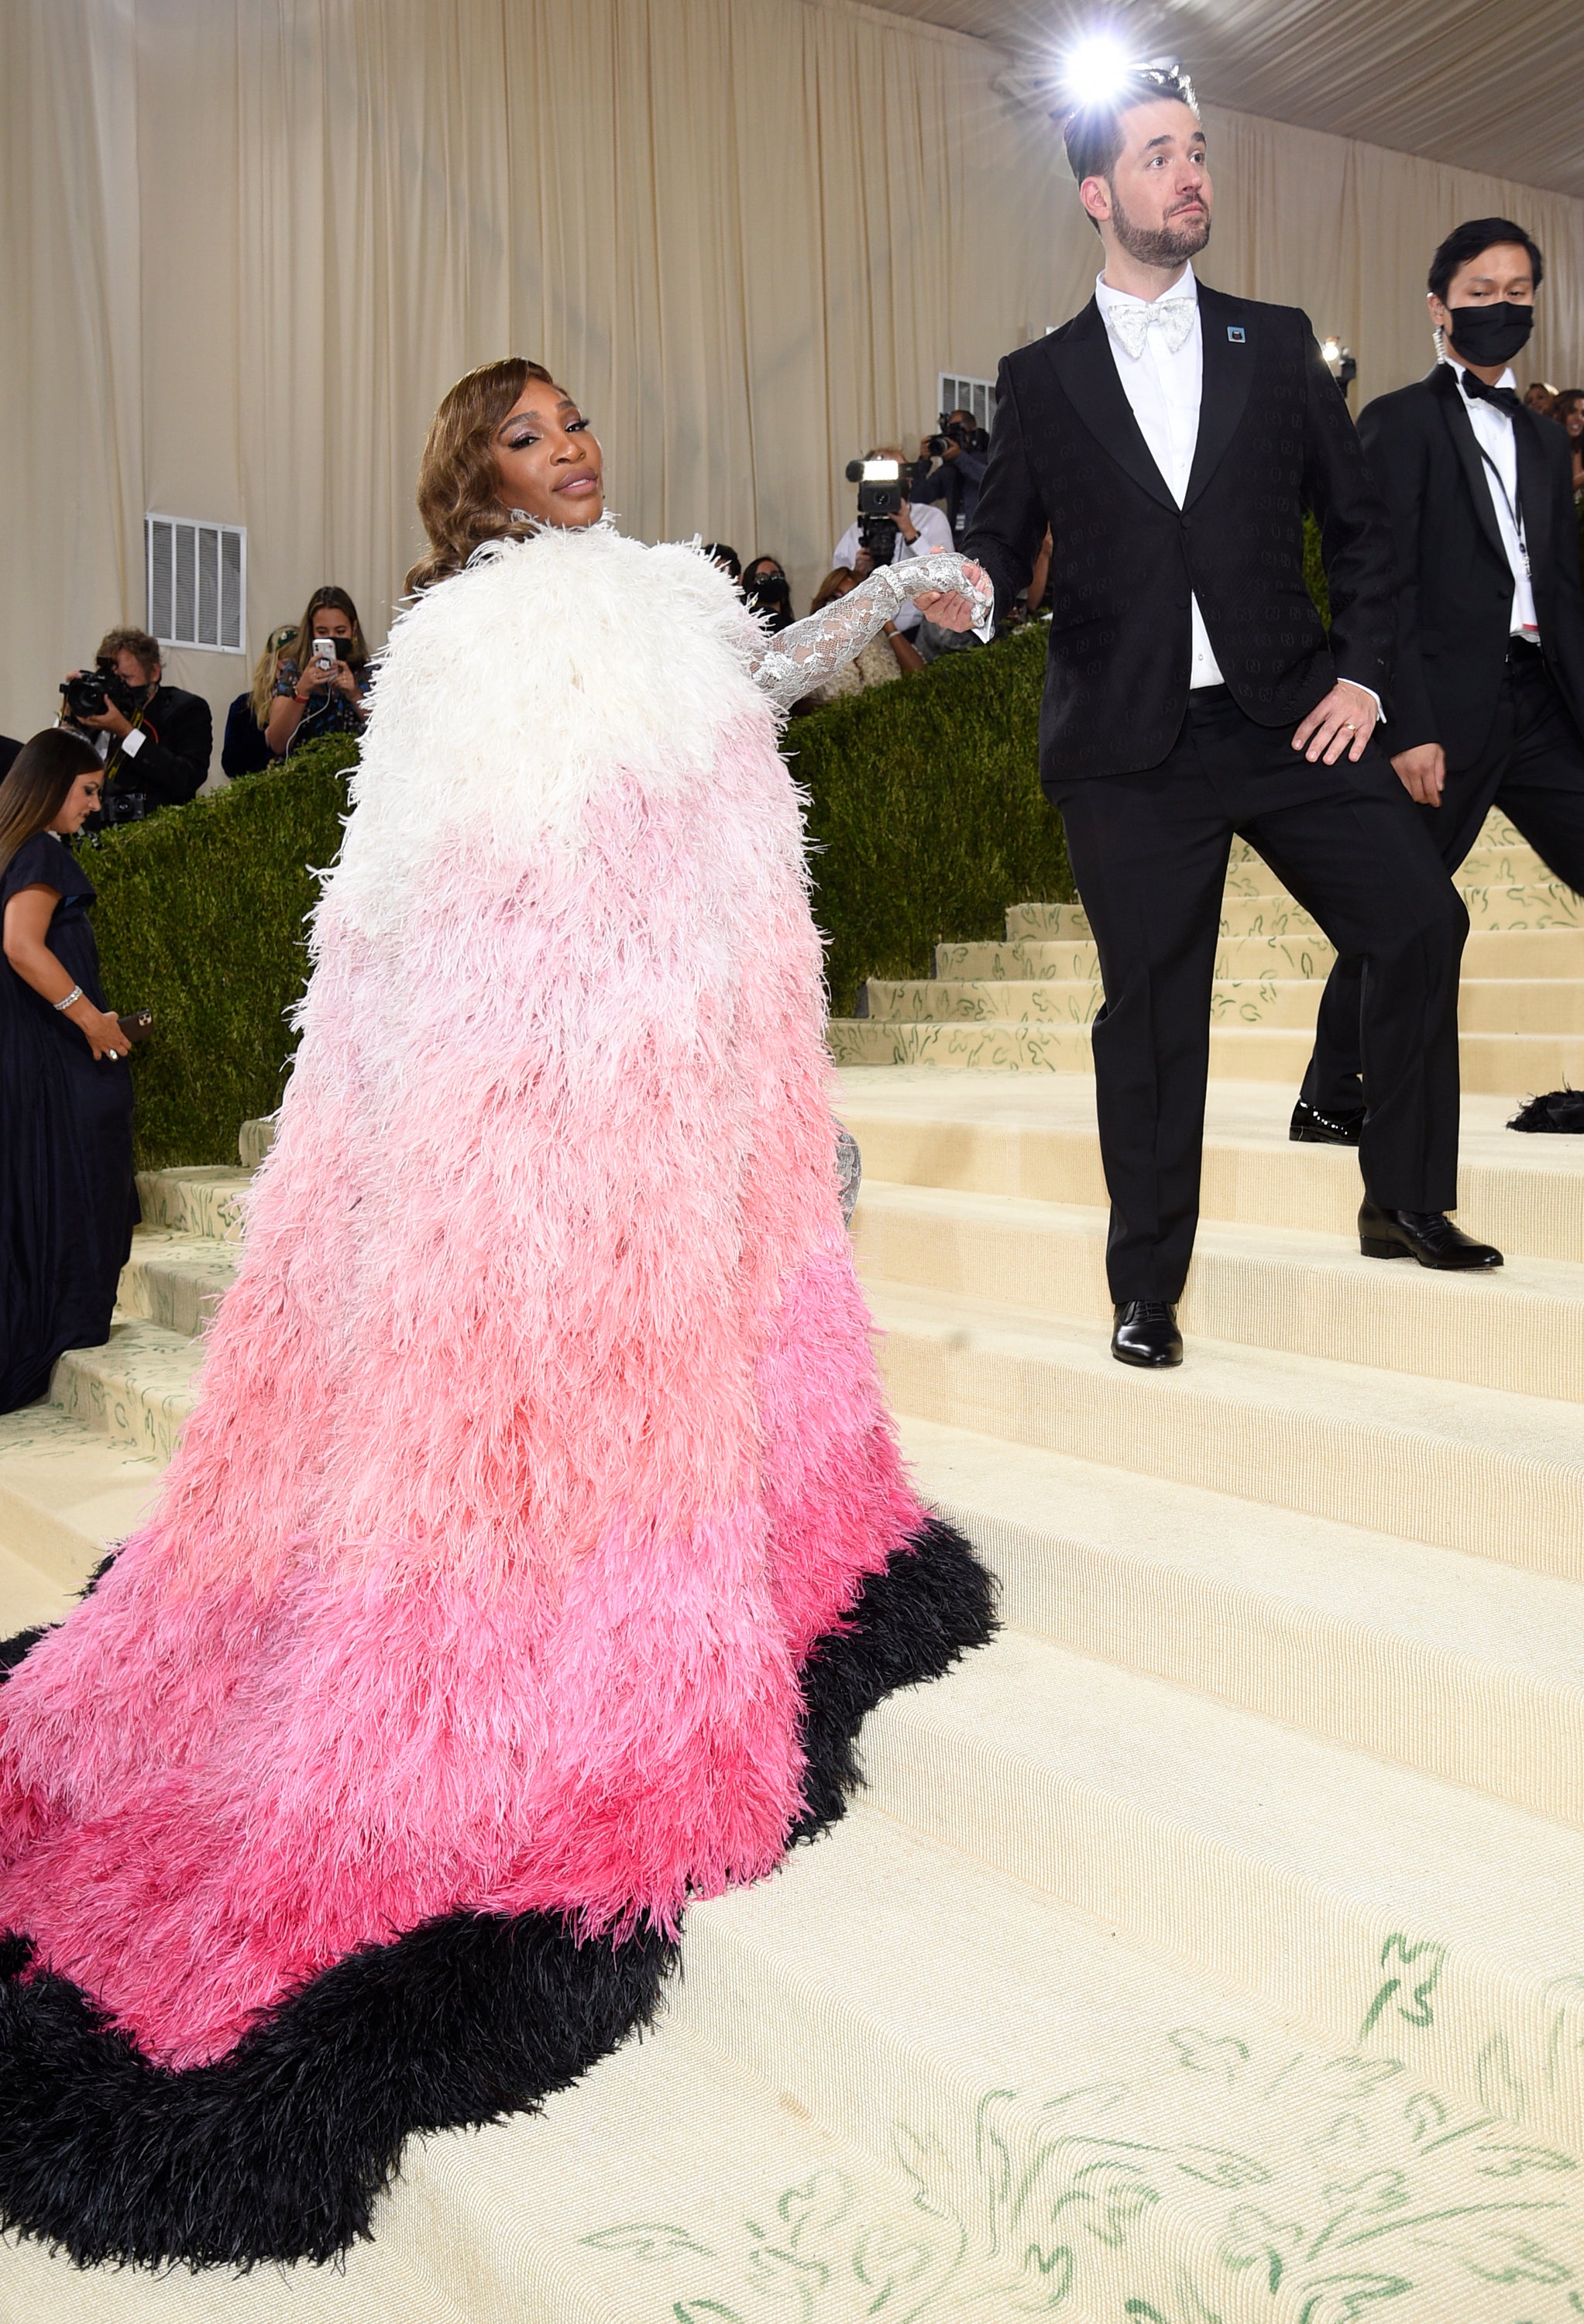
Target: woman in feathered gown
<point x="539" y="1538"/>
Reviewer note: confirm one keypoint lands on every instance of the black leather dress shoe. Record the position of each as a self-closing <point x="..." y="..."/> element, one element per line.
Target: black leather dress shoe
<point x="1310" y="1127"/>
<point x="1145" y="1331"/>
<point x="1428" y="1236"/>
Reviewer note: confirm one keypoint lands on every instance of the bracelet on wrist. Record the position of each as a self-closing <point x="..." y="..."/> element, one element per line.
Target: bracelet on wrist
<point x="75" y="994"/>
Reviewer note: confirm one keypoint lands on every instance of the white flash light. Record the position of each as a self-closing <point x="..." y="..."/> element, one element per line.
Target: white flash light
<point x="1331" y="350"/>
<point x="1096" y="68"/>
<point x="882" y="471"/>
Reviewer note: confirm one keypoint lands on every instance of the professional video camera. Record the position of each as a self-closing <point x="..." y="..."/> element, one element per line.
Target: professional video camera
<point x="965" y="436"/>
<point x="91" y="692"/>
<point x="879" y="502"/>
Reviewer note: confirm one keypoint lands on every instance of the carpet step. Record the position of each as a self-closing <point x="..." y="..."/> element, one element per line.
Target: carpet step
<point x="1500" y="904"/>
<point x="1496" y="1005"/>
<point x="1489" y="954"/>
<point x="1139" y="2137"/>
<point x="206" y="1202"/>
<point x="1492" y="1063"/>
<point x="1446" y="1663"/>
<point x="176" y="1279"/>
<point x="67" y="1493"/>
<point x="1499" y="1475"/>
<point x="669" y="2184"/>
<point x="1284" y="1865"/>
<point x="1519" y="1328"/>
<point x="138" y="1389"/>
<point x="1034" y="1135"/>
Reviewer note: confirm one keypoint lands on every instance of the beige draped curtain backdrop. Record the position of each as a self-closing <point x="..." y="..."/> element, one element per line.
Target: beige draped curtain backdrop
<point x="248" y="247"/>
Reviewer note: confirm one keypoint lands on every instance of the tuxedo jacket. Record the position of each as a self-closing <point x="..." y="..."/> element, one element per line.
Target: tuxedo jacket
<point x="1455" y="586"/>
<point x="1274" y="439"/>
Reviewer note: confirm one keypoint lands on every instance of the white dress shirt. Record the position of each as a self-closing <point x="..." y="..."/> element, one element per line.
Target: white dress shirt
<point x="1164" y="390"/>
<point x="1493" y="432"/>
<point x="934" y="531"/>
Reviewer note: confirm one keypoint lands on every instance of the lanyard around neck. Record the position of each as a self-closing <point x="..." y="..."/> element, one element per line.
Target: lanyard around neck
<point x="1514" y="508"/>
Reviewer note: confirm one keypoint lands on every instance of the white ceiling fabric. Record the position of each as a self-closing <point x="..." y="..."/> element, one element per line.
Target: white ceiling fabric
<point x="1483" y="86"/>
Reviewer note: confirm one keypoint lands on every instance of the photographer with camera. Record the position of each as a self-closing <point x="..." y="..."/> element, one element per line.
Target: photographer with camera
<point x="155" y="740"/>
<point x="950" y="468"/>
<point x="322" y="685"/>
<point x="888" y="529"/>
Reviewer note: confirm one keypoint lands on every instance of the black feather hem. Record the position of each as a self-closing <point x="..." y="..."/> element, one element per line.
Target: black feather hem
<point x="281" y="2149"/>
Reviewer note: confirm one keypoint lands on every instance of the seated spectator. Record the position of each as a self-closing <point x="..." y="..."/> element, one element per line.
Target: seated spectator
<point x="727" y="558"/>
<point x="764" y="585"/>
<point x="156" y="749"/>
<point x="68" y="1198"/>
<point x="1541" y="396"/>
<point x="918" y="532"/>
<point x="1569" y="408"/>
<point x="886" y="656"/>
<point x="245" y="750"/>
<point x="314" y="696"/>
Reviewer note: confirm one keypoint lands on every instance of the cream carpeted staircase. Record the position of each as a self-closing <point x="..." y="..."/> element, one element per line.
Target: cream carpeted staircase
<point x="1211" y="1948"/>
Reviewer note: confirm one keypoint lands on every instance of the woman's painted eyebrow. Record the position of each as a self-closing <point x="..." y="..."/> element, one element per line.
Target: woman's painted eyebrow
<point x="565" y="404"/>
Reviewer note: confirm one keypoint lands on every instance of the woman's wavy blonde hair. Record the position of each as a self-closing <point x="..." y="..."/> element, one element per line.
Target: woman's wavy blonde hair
<point x="458" y="491"/>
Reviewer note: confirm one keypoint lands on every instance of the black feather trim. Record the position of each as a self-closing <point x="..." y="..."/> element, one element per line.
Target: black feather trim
<point x="280" y="2150"/>
<point x="1561" y="1109"/>
<point x="930" y="1605"/>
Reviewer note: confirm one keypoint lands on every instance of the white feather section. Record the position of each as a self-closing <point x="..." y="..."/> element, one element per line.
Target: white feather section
<point x="510" y="694"/>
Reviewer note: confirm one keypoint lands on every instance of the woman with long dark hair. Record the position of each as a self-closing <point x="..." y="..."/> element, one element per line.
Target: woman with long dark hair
<point x="313" y="697"/>
<point x="540" y="1537"/>
<point x="68" y="1199"/>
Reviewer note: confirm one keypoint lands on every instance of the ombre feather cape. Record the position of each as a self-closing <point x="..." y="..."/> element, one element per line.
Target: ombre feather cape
<point x="539" y="1537"/>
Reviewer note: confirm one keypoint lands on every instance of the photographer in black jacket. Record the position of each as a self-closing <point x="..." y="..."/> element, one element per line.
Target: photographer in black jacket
<point x="962" y="451"/>
<point x="157" y="739"/>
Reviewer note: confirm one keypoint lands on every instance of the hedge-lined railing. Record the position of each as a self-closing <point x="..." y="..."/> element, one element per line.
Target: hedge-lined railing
<point x="923" y="807"/>
<point x="200" y="918"/>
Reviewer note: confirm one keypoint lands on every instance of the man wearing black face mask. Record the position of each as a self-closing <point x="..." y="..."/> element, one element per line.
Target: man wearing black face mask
<point x="1488" y="709"/>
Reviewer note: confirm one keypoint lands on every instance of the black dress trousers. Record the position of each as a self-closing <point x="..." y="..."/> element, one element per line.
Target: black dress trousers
<point x="1149" y="854"/>
<point x="1532" y="769"/>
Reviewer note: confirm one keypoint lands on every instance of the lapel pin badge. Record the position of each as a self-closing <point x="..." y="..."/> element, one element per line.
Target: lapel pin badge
<point x="1235" y="334"/>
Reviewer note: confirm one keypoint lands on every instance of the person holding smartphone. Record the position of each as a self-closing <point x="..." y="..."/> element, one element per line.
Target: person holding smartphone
<point x="320" y="687"/>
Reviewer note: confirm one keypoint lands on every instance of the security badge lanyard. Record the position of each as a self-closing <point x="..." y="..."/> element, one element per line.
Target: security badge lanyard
<point x="1515" y="509"/>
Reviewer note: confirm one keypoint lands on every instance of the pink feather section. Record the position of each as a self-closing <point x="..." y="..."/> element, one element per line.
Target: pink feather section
<point x="540" y="1435"/>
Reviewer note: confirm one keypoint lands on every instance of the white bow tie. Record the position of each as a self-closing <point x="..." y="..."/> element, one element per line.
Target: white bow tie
<point x="1171" y="317"/>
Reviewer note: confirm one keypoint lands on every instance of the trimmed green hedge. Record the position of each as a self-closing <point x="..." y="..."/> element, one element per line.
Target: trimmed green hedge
<point x="925" y="811"/>
<point x="200" y="918"/>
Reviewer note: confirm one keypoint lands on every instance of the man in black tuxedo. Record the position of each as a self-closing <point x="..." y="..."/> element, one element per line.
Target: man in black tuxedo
<point x="1171" y="439"/>
<point x="1487" y="705"/>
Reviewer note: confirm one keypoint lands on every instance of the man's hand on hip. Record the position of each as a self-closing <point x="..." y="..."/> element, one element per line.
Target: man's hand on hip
<point x="1343" y="721"/>
<point x="1423" y="772"/>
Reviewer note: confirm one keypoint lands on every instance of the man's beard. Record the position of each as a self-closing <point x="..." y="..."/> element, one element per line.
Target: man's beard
<point x="1160" y="246"/>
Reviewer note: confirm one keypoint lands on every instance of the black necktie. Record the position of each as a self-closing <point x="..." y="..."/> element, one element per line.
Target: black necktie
<point x="1505" y="398"/>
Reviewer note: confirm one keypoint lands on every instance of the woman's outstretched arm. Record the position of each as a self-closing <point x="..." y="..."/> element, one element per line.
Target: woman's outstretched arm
<point x="948" y="589"/>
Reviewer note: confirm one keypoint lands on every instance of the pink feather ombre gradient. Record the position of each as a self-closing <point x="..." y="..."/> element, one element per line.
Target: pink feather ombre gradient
<point x="540" y="1436"/>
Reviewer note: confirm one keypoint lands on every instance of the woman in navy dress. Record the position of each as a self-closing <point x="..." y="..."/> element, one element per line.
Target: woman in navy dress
<point x="68" y="1198"/>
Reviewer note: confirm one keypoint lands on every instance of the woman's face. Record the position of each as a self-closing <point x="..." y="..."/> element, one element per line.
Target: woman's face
<point x="330" y="622"/>
<point x="548" y="459"/>
<point x="79" y="804"/>
<point x="1573" y="419"/>
<point x="763" y="568"/>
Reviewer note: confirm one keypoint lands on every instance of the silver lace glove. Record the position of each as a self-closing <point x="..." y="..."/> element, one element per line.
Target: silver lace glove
<point x="791" y="665"/>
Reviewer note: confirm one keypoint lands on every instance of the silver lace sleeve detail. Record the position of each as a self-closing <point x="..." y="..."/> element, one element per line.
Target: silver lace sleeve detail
<point x="788" y="665"/>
